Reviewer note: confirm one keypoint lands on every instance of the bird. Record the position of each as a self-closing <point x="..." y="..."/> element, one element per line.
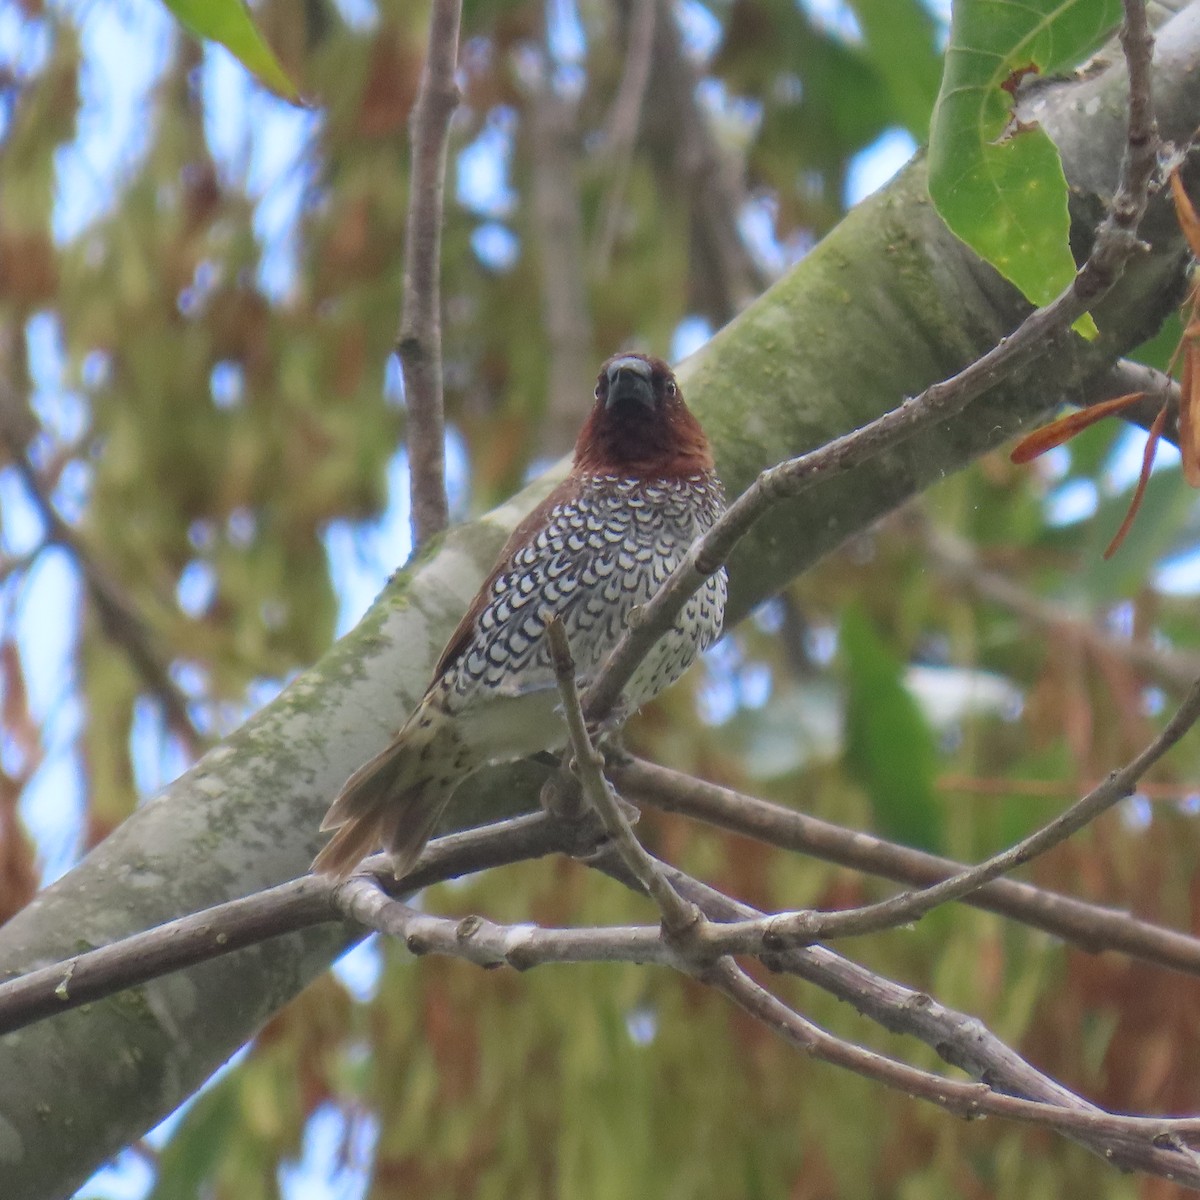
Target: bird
<point x="642" y="487"/>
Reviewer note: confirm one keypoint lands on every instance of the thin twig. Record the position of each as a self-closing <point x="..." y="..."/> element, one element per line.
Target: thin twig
<point x="487" y="944"/>
<point x="1140" y="160"/>
<point x="1125" y="1141"/>
<point x="419" y="339"/>
<point x="1158" y="388"/>
<point x="1116" y="242"/>
<point x="225" y="928"/>
<point x="962" y="1041"/>
<point x="967" y="1100"/>
<point x="678" y="916"/>
<point x="800" y="928"/>
<point x="1091" y="927"/>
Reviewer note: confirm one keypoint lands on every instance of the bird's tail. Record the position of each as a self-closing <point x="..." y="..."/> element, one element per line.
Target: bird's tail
<point x="396" y="799"/>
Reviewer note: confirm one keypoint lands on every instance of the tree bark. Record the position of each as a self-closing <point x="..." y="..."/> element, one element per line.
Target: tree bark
<point x="887" y="304"/>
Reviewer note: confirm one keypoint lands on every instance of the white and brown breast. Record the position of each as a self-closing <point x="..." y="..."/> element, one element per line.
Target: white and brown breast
<point x="600" y="546"/>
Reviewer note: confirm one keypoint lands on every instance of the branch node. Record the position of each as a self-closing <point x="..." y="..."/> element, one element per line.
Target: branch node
<point x="467" y="928"/>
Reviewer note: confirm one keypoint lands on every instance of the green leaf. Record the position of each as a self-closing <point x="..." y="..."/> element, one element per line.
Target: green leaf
<point x="890" y="750"/>
<point x="229" y="22"/>
<point x="1000" y="189"/>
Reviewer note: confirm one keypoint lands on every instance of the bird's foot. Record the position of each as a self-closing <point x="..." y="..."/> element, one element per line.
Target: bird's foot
<point x="608" y="727"/>
<point x="562" y="796"/>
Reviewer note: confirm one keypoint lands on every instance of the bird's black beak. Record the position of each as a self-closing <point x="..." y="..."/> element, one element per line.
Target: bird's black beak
<point x="629" y="380"/>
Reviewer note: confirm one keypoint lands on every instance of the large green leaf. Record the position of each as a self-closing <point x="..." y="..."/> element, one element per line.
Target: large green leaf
<point x="889" y="748"/>
<point x="1001" y="189"/>
<point x="229" y="22"/>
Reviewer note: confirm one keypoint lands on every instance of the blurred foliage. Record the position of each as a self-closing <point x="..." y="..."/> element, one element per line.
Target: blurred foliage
<point x="212" y="415"/>
<point x="889" y="747"/>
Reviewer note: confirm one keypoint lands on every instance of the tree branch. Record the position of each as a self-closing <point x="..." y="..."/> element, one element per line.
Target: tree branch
<point x="678" y="917"/>
<point x="1147" y="1143"/>
<point x="960" y="1040"/>
<point x="419" y="339"/>
<point x="801" y="928"/>
<point x="246" y="817"/>
<point x="1128" y="1141"/>
<point x="1090" y="927"/>
<point x="297" y="904"/>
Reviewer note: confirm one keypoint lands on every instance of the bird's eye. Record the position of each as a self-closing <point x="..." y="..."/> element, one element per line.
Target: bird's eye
<point x="599" y="390"/>
<point x="671" y="388"/>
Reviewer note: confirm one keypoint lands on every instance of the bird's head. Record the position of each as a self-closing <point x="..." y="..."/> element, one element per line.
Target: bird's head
<point x="639" y="425"/>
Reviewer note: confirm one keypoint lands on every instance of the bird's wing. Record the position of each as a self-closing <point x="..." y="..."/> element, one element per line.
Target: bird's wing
<point x="523" y="533"/>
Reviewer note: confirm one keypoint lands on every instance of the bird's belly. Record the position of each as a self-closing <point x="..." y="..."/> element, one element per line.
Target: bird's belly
<point x="514" y="726"/>
<point x="696" y="628"/>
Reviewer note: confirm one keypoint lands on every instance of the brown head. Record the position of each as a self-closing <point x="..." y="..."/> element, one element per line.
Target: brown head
<point x="639" y="426"/>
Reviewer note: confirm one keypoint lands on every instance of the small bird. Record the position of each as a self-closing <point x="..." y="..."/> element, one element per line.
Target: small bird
<point x="641" y="490"/>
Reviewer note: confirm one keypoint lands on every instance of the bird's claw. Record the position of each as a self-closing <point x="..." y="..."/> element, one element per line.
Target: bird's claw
<point x="604" y="734"/>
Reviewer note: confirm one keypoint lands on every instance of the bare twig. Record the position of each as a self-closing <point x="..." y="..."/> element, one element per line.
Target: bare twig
<point x="678" y="916"/>
<point x="486" y="944"/>
<point x="1145" y="1139"/>
<point x="1133" y="1142"/>
<point x="225" y="928"/>
<point x="803" y="927"/>
<point x="1090" y="927"/>
<point x="1141" y="142"/>
<point x="1128" y="377"/>
<point x="1116" y="242"/>
<point x="419" y="340"/>
<point x="960" y="1040"/>
<point x="1148" y="1143"/>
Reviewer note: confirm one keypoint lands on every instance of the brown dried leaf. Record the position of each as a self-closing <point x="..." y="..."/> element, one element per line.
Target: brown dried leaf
<point x="1185" y="213"/>
<point x="1143" y="479"/>
<point x="1189" y="427"/>
<point x="1065" y="428"/>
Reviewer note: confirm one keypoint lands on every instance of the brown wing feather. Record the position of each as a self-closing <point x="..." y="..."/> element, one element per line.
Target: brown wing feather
<point x="519" y="536"/>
